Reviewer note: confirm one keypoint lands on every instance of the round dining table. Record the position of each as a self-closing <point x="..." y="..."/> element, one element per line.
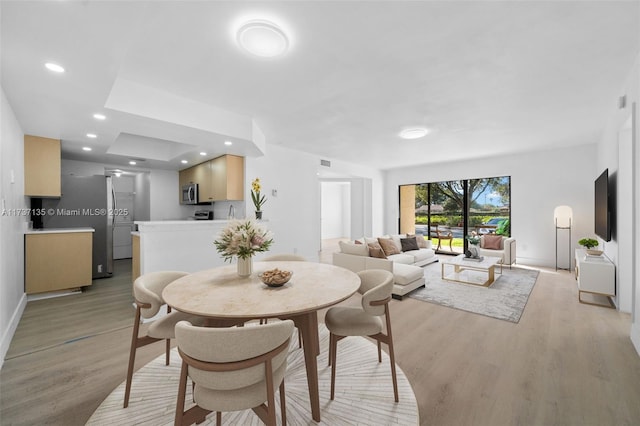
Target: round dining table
<point x="219" y="294"/>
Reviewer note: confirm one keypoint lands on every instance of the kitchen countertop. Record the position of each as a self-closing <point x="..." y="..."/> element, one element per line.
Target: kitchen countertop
<point x="57" y="230"/>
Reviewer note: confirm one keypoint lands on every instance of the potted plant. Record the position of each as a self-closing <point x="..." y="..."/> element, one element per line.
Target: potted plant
<point x="258" y="200"/>
<point x="589" y="244"/>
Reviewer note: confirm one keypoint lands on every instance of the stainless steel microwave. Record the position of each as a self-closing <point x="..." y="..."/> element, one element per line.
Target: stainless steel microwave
<point x="190" y="194"/>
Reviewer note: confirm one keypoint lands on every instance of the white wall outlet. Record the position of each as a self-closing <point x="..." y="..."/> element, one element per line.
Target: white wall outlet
<point x="13" y="176"/>
<point x="99" y="268"/>
<point x="274" y="192"/>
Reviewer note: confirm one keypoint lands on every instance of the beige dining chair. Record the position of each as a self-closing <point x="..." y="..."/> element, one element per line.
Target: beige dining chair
<point x="232" y="369"/>
<point x="147" y="292"/>
<point x="342" y="321"/>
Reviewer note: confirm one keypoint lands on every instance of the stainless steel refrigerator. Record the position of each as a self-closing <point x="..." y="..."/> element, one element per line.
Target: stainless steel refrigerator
<point x="86" y="201"/>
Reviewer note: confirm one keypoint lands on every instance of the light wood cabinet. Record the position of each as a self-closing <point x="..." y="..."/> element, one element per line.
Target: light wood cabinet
<point x="41" y="167"/>
<point x="227" y="174"/>
<point x="220" y="179"/>
<point x="135" y="257"/>
<point x="57" y="261"/>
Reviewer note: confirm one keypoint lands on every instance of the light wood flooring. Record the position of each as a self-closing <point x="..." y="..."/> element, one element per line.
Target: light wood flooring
<point x="564" y="363"/>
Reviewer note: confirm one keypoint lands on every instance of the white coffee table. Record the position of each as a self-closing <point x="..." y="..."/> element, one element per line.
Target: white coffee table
<point x="461" y="267"/>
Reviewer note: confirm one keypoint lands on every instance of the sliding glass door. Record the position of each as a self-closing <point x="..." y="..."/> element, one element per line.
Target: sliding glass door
<point x="445" y="212"/>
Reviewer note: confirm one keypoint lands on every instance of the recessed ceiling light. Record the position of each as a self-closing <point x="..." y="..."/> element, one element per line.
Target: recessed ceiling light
<point x="184" y="161"/>
<point x="99" y="116"/>
<point x="414" y="133"/>
<point x="203" y="153"/>
<point x="118" y="174"/>
<point x="228" y="143"/>
<point x="86" y="148"/>
<point x="262" y="38"/>
<point x="54" y="67"/>
<point x="133" y="163"/>
<point x="91" y="135"/>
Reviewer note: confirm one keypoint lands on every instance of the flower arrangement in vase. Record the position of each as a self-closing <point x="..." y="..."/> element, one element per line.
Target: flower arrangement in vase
<point x="243" y="239"/>
<point x="258" y="200"/>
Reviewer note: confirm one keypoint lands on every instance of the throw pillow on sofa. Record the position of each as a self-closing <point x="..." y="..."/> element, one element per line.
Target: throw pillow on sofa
<point x="420" y="240"/>
<point x="409" y="243"/>
<point x="388" y="246"/>
<point x="492" y="242"/>
<point x="376" y="251"/>
<point x="352" y="248"/>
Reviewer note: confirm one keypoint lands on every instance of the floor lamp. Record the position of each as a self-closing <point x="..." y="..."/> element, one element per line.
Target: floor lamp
<point x="563" y="218"/>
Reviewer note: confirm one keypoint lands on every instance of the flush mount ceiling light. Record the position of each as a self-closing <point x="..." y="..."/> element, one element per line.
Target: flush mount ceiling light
<point x="99" y="116"/>
<point x="184" y="161"/>
<point x="228" y="143"/>
<point x="203" y="153"/>
<point x="133" y="163"/>
<point x="91" y="135"/>
<point x="262" y="38"/>
<point x="54" y="67"/>
<point x="414" y="133"/>
<point x="86" y="148"/>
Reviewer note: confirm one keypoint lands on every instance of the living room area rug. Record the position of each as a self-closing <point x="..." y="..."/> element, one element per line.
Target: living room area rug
<point x="505" y="299"/>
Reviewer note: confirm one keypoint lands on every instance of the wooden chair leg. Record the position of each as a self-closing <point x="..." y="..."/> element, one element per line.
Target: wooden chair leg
<point x="379" y="351"/>
<point x="332" y="353"/>
<point x="132" y="357"/>
<point x="392" y="360"/>
<point x="168" y="352"/>
<point x="218" y="418"/>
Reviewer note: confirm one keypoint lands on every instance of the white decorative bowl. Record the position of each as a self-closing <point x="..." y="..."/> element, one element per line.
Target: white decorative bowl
<point x="594" y="252"/>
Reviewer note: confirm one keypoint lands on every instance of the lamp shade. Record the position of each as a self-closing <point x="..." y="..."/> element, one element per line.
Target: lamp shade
<point x="563" y="216"/>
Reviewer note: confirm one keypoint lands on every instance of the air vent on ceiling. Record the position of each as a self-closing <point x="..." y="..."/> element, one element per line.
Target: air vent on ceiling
<point x="325" y="163"/>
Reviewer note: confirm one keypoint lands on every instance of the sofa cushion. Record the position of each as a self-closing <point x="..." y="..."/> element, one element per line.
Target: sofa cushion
<point x="420" y="254"/>
<point x="406" y="259"/>
<point x="406" y="274"/>
<point x="396" y="240"/>
<point x="352" y="248"/>
<point x="376" y="251"/>
<point x="492" y="242"/>
<point x="388" y="246"/>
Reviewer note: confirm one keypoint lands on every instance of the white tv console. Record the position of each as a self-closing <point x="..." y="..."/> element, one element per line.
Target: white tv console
<point x="596" y="275"/>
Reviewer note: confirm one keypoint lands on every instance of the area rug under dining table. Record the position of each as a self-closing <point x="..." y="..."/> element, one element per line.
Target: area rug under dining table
<point x="364" y="391"/>
<point x="505" y="299"/>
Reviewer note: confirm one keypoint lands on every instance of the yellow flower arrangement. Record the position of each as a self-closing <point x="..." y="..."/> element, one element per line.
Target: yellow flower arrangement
<point x="258" y="200"/>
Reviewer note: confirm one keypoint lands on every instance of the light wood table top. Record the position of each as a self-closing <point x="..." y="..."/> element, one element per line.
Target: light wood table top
<point x="221" y="293"/>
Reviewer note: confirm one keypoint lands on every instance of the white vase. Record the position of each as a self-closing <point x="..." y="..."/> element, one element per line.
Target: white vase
<point x="245" y="266"/>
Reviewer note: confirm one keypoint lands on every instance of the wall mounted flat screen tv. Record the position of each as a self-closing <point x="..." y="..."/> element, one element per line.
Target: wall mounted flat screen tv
<point x="603" y="207"/>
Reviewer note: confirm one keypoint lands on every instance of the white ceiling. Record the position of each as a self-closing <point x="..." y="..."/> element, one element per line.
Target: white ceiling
<point x="487" y="78"/>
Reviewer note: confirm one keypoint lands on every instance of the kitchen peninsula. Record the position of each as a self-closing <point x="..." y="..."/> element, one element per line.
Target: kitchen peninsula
<point x="180" y="245"/>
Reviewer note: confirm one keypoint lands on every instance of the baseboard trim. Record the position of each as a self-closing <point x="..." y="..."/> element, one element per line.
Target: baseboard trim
<point x="635" y="336"/>
<point x="11" y="329"/>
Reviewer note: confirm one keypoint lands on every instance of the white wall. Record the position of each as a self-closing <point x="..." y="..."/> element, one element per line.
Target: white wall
<point x="540" y="181"/>
<point x="12" y="296"/>
<point x="625" y="252"/>
<point x="294" y="214"/>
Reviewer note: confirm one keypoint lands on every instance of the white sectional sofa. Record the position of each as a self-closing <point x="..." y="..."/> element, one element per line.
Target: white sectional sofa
<point x="405" y="266"/>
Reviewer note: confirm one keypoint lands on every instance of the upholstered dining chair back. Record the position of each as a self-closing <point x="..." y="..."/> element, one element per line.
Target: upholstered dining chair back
<point x="147" y="289"/>
<point x="284" y="257"/>
<point x="375" y="284"/>
<point x="233" y="368"/>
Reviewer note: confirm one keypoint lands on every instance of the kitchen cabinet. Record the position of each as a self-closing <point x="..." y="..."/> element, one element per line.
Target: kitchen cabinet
<point x="135" y="256"/>
<point x="42" y="167"/>
<point x="57" y="259"/>
<point x="220" y="179"/>
<point x="227" y="174"/>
